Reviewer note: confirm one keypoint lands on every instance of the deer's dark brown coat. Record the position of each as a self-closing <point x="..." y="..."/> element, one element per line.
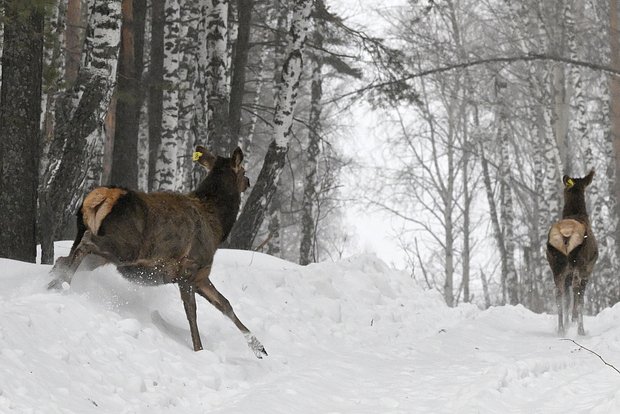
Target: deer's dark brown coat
<point x="165" y="237"/>
<point x="572" y="251"/>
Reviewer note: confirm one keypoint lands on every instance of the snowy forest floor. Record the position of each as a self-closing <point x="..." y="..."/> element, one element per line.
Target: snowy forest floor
<point x="347" y="337"/>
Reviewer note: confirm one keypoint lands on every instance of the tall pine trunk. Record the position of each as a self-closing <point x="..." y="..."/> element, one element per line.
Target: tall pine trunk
<point x="128" y="95"/>
<point x="240" y="60"/>
<point x="20" y="106"/>
<point x="155" y="87"/>
<point x="246" y="228"/>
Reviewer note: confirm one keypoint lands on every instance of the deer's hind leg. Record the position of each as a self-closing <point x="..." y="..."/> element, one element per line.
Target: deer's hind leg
<point x="560" y="300"/>
<point x="65" y="267"/>
<point x="205" y="288"/>
<point x="189" y="303"/>
<point x="579" y="287"/>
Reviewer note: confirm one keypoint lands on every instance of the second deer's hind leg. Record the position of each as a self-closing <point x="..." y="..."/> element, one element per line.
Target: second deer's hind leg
<point x="579" y="287"/>
<point x="205" y="288"/>
<point x="560" y="300"/>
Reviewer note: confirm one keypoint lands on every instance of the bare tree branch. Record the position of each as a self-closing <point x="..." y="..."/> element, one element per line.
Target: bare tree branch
<point x="531" y="57"/>
<point x="592" y="352"/>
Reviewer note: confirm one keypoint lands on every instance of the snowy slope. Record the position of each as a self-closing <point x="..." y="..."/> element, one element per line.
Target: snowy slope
<point x="347" y="337"/>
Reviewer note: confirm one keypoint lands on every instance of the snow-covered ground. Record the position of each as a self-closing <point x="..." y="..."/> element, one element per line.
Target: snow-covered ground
<point x="347" y="337"/>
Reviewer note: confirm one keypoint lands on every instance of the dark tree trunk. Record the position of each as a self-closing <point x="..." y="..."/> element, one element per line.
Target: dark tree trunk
<point x="128" y="95"/>
<point x="79" y="112"/>
<point x="308" y="225"/>
<point x="237" y="87"/>
<point x="20" y="112"/>
<point x="156" y="80"/>
<point x="249" y="222"/>
<point x="614" y="81"/>
<point x="74" y="38"/>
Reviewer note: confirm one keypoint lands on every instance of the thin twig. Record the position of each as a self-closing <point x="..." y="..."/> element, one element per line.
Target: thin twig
<point x="592" y="352"/>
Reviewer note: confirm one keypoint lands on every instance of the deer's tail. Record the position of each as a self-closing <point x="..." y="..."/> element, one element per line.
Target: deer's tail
<point x="566" y="235"/>
<point x="98" y="204"/>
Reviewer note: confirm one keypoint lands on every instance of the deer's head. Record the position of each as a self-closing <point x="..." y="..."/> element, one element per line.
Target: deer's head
<point x="228" y="173"/>
<point x="577" y="185"/>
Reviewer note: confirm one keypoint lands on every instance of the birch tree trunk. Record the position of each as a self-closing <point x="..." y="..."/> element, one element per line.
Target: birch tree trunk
<point x="308" y="227"/>
<point x="188" y="42"/>
<point x="247" y="226"/>
<point x="166" y="165"/>
<point x="614" y="113"/>
<point x="274" y="241"/>
<point x="80" y="111"/>
<point x="467" y="201"/>
<point x="561" y="98"/>
<point x="274" y="218"/>
<point x="20" y="105"/>
<point x="156" y="86"/>
<point x="220" y="139"/>
<point x="507" y="208"/>
<point x="580" y="120"/>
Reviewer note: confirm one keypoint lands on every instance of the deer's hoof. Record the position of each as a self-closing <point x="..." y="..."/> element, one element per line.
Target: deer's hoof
<point x="58" y="284"/>
<point x="256" y="346"/>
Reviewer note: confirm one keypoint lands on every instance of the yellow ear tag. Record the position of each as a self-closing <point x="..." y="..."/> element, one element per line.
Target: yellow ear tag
<point x="196" y="156"/>
<point x="570" y="183"/>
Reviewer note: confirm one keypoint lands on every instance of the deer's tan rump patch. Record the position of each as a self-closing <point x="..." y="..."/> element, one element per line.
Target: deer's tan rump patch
<point x="566" y="235"/>
<point x="98" y="204"/>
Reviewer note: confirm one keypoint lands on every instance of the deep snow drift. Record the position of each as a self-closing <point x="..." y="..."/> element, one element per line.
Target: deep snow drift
<point x="347" y="337"/>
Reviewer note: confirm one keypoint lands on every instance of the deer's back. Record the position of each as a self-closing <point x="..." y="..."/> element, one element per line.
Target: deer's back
<point x="159" y="226"/>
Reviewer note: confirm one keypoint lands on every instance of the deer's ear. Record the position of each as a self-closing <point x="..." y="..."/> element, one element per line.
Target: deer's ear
<point x="204" y="157"/>
<point x="237" y="157"/>
<point x="568" y="182"/>
<point x="588" y="178"/>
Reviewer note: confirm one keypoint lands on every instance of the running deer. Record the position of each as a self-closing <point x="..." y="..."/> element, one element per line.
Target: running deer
<point x="572" y="251"/>
<point x="165" y="237"/>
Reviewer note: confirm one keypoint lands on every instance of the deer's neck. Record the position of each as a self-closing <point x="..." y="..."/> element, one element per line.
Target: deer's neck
<point x="574" y="206"/>
<point x="222" y="204"/>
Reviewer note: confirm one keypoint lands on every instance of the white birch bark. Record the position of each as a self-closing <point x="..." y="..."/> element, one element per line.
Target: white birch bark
<point x="143" y="130"/>
<point x="506" y="206"/>
<point x="217" y="81"/>
<point x="166" y="166"/>
<point x="252" y="216"/>
<point x="188" y="41"/>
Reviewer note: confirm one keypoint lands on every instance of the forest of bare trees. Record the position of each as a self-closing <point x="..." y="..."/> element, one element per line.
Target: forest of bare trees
<point x="510" y="96"/>
<point x="485" y="105"/>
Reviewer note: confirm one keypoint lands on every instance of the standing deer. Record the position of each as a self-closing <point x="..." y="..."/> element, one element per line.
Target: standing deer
<point x="165" y="237"/>
<point x="572" y="251"/>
